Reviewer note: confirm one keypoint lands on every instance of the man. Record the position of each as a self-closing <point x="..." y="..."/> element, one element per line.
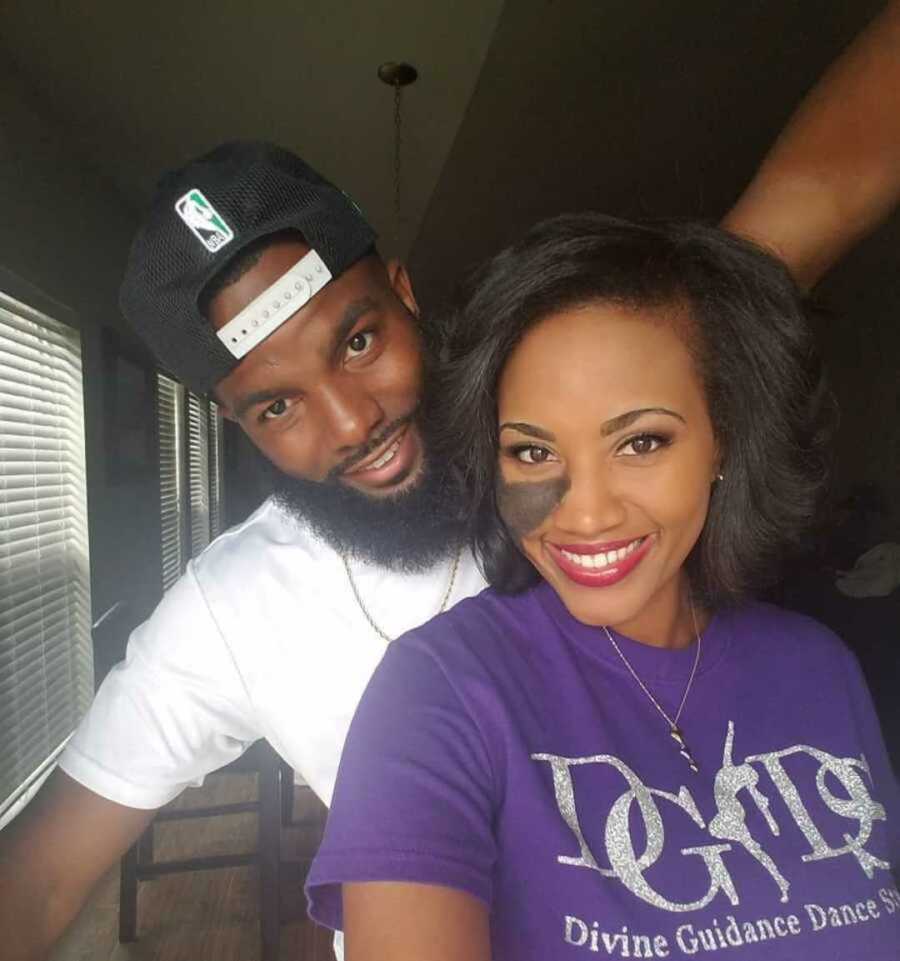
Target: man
<point x="256" y="279"/>
<point x="313" y="345"/>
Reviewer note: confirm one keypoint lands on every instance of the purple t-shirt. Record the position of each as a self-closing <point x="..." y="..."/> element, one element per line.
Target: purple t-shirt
<point x="504" y="749"/>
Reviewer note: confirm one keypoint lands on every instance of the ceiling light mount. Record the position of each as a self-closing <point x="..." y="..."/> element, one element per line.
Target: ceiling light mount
<point x="397" y="74"/>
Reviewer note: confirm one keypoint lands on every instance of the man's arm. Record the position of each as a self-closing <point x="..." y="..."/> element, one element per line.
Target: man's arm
<point x="173" y="711"/>
<point x="52" y="855"/>
<point x="834" y="173"/>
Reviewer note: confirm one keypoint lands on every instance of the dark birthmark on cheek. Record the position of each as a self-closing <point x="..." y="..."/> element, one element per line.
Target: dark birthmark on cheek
<point x="524" y="507"/>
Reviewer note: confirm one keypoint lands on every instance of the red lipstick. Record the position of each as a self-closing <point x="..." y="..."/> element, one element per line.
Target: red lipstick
<point x="611" y="573"/>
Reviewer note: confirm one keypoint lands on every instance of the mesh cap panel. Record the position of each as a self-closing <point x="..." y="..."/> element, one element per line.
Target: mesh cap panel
<point x="257" y="189"/>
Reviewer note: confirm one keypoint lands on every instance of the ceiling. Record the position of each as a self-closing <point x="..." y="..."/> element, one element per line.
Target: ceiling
<point x="522" y="109"/>
<point x="138" y="88"/>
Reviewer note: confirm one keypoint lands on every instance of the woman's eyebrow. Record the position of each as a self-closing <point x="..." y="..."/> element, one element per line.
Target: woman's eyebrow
<point x="610" y="427"/>
<point x="616" y="424"/>
<point x="529" y="429"/>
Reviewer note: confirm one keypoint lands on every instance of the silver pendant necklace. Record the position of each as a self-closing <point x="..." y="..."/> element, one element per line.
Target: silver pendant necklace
<point x="674" y="730"/>
<point x="365" y="610"/>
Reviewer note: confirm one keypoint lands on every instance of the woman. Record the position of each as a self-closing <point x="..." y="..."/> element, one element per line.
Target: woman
<point x="614" y="750"/>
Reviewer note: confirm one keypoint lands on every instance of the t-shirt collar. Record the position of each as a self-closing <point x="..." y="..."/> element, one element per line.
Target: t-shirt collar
<point x="658" y="664"/>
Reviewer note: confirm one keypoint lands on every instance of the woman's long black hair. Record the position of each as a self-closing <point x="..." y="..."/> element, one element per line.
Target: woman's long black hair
<point x="747" y="330"/>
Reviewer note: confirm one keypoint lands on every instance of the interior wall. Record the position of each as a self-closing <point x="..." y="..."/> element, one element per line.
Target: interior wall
<point x="859" y="336"/>
<point x="65" y="231"/>
<point x="649" y="109"/>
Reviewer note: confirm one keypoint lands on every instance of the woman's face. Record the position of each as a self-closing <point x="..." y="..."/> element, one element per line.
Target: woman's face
<point x="606" y="459"/>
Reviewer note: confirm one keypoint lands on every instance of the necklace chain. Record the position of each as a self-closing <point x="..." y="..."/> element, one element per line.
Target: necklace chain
<point x="365" y="610"/>
<point x="672" y="722"/>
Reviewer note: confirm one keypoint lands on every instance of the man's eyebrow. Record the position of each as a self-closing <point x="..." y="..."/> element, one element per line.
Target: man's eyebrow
<point x="258" y="397"/>
<point x="352" y="312"/>
<point x="528" y="429"/>
<point x="616" y="424"/>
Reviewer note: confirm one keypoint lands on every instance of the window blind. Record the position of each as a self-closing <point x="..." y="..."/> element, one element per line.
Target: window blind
<point x="170" y="420"/>
<point x="198" y="470"/>
<point x="46" y="671"/>
<point x="191" y="475"/>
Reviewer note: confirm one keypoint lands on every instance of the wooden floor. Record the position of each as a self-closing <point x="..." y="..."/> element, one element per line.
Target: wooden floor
<point x="208" y="914"/>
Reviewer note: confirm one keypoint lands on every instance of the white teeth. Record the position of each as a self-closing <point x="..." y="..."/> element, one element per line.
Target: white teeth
<point x="386" y="457"/>
<point x="603" y="558"/>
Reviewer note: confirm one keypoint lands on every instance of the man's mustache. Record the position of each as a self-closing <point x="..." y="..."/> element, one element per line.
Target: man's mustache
<point x="372" y="444"/>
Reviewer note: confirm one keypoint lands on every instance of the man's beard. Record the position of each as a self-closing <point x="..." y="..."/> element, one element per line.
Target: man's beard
<point x="405" y="532"/>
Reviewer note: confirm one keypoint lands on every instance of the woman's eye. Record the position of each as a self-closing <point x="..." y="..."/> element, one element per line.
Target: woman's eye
<point x="360" y="343"/>
<point x="532" y="454"/>
<point x="275" y="410"/>
<point x="642" y="444"/>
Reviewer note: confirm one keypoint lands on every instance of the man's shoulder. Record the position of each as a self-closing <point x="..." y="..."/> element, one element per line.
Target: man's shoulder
<point x="268" y="567"/>
<point x="251" y="549"/>
<point x="487" y="627"/>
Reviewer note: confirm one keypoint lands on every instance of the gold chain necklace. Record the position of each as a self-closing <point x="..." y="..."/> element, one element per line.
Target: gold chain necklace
<point x="365" y="610"/>
<point x="674" y="730"/>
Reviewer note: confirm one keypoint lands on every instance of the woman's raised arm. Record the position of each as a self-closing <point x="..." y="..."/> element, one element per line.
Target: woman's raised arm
<point x="834" y="173"/>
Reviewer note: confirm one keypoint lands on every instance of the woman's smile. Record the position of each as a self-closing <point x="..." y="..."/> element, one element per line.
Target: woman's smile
<point x="599" y="565"/>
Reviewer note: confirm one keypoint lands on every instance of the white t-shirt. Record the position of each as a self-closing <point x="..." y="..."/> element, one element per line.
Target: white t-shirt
<point x="262" y="637"/>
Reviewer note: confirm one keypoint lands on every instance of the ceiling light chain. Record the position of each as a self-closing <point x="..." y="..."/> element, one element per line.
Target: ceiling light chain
<point x="398" y="144"/>
<point x="398" y="76"/>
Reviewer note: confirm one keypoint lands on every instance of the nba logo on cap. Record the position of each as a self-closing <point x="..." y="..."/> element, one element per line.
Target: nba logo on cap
<point x="205" y="222"/>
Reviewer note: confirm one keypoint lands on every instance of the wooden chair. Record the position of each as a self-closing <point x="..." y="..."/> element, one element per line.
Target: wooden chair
<point x="273" y="804"/>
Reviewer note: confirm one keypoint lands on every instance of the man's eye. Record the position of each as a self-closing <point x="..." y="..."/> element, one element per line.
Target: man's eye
<point x="360" y="343"/>
<point x="275" y="410"/>
<point x="532" y="454"/>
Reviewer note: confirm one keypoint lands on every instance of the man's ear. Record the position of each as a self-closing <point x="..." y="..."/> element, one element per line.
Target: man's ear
<point x="226" y="410"/>
<point x="402" y="285"/>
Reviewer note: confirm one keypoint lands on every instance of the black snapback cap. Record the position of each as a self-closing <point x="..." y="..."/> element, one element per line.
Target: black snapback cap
<point x="200" y="217"/>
